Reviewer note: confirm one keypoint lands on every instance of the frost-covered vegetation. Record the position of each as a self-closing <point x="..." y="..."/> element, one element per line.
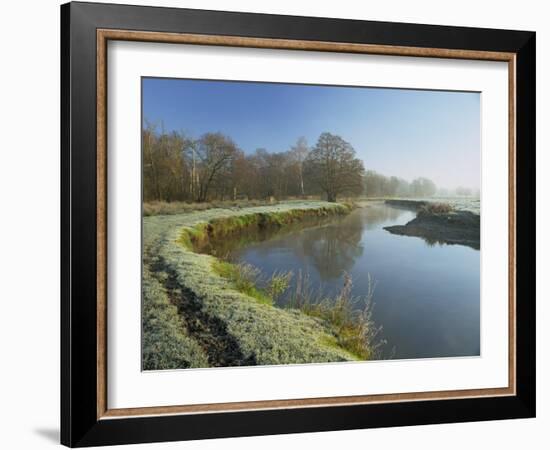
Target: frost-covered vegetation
<point x="435" y="208"/>
<point x="155" y="208"/>
<point x="471" y="204"/>
<point x="354" y="329"/>
<point x="166" y="344"/>
<point x="450" y="203"/>
<point x="194" y="316"/>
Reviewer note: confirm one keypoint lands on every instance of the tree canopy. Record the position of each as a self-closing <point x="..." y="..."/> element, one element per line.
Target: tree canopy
<point x="333" y="167"/>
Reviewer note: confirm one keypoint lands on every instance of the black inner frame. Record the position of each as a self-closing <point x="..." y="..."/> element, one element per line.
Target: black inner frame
<point x="79" y="423"/>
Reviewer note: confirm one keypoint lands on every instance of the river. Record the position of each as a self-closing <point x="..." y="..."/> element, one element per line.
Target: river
<point x="426" y="298"/>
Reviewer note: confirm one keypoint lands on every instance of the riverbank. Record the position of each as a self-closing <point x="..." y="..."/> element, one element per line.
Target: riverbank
<point x="411" y="205"/>
<point x="457" y="203"/>
<point x="194" y="317"/>
<point x="438" y="223"/>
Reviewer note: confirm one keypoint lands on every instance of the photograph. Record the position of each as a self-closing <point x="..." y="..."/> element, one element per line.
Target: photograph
<point x="297" y="223"/>
<point x="286" y="221"/>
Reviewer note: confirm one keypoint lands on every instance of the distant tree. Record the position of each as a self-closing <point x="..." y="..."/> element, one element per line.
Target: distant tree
<point x="299" y="154"/>
<point x="266" y="173"/>
<point x="429" y="187"/>
<point x="215" y="153"/>
<point x="375" y="184"/>
<point x="378" y="185"/>
<point x="423" y="187"/>
<point x="403" y="188"/>
<point x="151" y="176"/>
<point x="240" y="175"/>
<point x="333" y="167"/>
<point x="393" y="186"/>
<point x="166" y="174"/>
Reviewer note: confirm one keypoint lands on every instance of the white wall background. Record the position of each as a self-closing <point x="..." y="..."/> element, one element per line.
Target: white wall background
<point x="29" y="224"/>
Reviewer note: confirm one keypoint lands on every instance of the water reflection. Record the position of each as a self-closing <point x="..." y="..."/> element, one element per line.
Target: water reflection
<point x="332" y="249"/>
<point x="380" y="214"/>
<point x="331" y="244"/>
<point x="426" y="298"/>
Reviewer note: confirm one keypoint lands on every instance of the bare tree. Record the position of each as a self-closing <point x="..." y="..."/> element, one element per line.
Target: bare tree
<point x="332" y="166"/>
<point x="299" y="153"/>
<point x="215" y="152"/>
<point x="150" y="169"/>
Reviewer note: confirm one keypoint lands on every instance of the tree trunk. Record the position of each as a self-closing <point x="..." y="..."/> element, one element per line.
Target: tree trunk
<point x="302" y="181"/>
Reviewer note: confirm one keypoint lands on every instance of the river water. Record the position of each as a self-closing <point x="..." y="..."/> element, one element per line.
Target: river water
<point x="426" y="298"/>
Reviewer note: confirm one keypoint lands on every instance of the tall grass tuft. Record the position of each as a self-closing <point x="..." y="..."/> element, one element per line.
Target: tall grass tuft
<point x="278" y="284"/>
<point x="244" y="277"/>
<point x="354" y="328"/>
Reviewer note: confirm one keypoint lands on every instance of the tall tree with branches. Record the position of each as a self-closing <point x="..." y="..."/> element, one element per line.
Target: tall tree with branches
<point x="215" y="153"/>
<point x="333" y="167"/>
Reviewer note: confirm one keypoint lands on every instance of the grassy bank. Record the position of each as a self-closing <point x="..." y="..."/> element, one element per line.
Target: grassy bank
<point x="205" y="319"/>
<point x="224" y="226"/>
<point x="353" y="329"/>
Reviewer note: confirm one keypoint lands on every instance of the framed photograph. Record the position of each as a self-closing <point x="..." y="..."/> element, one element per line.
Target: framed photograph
<point x="277" y="224"/>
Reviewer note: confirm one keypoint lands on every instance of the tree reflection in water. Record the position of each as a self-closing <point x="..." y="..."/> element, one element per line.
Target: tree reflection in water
<point x="378" y="214"/>
<point x="330" y="245"/>
<point x="333" y="249"/>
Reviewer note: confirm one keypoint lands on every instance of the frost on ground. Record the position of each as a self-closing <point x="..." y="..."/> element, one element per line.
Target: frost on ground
<point x="192" y="317"/>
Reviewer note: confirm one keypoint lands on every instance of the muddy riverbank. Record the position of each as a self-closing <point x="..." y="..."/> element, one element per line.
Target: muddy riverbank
<point x="448" y="227"/>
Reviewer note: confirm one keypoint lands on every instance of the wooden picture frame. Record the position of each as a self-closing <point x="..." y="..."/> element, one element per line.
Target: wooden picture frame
<point x="86" y="418"/>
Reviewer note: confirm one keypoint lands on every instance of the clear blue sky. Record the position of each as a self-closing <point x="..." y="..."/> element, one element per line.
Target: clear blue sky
<point x="406" y="133"/>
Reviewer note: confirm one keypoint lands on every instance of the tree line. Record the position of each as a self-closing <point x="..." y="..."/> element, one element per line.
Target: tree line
<point x="378" y="185"/>
<point x="177" y="167"/>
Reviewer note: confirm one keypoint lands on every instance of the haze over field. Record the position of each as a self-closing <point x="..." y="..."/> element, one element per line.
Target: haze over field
<point x="395" y="132"/>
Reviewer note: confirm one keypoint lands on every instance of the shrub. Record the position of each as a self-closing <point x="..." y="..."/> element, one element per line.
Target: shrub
<point x="435" y="208"/>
